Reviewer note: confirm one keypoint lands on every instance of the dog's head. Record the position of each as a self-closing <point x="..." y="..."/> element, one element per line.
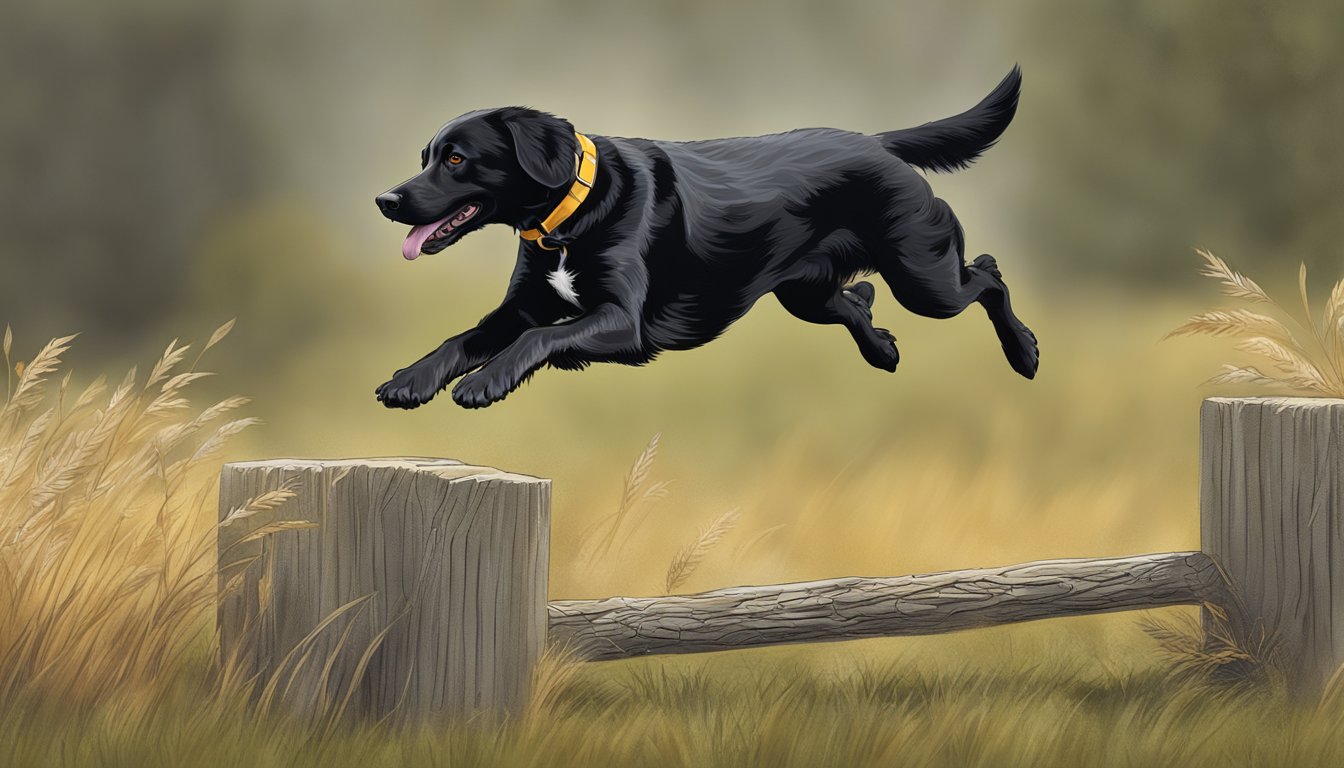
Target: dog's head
<point x="506" y="166"/>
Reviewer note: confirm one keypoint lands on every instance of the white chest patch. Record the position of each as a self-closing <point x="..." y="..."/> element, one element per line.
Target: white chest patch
<point x="562" y="280"/>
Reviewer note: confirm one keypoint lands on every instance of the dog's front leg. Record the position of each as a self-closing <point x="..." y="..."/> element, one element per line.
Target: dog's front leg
<point x="419" y="382"/>
<point x="607" y="329"/>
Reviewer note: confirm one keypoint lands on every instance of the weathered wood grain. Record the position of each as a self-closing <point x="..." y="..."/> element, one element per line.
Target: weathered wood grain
<point x="450" y="559"/>
<point x="1272" y="515"/>
<point x="850" y="608"/>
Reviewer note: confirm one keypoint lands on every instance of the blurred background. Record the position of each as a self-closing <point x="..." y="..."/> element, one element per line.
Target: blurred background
<point x="172" y="165"/>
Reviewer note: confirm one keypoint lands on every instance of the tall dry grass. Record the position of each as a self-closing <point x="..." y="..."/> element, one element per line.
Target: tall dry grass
<point x="1306" y="352"/>
<point x="1206" y="649"/>
<point x="106" y="549"/>
<point x="689" y="557"/>
<point x="604" y="540"/>
<point x="638" y="495"/>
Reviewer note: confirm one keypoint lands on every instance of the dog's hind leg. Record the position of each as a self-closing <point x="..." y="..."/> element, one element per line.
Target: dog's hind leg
<point x="851" y="307"/>
<point x="1018" y="342"/>
<point x="924" y="268"/>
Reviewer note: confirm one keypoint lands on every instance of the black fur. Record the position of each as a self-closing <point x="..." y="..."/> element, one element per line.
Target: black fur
<point x="679" y="239"/>
<point x="954" y="143"/>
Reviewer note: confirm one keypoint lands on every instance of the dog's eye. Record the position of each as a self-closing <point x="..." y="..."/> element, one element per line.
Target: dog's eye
<point x="455" y="159"/>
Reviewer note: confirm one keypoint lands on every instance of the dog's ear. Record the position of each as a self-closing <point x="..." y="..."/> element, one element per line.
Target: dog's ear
<point x="545" y="145"/>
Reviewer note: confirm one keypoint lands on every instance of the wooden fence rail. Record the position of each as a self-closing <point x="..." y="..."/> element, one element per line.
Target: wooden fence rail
<point x="420" y="584"/>
<point x="851" y="608"/>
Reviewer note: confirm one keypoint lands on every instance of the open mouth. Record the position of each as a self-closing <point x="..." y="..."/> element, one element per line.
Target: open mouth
<point x="432" y="238"/>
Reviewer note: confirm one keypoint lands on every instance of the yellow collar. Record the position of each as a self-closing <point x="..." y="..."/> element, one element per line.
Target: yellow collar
<point x="585" y="172"/>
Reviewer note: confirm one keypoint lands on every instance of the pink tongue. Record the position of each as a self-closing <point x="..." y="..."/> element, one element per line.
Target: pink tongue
<point x="410" y="248"/>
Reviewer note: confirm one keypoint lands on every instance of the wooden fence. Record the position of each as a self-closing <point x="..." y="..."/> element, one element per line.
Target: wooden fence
<point x="421" y="590"/>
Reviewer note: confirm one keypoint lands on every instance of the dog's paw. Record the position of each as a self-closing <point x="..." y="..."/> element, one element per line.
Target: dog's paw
<point x="488" y="385"/>
<point x="861" y="295"/>
<point x="881" y="351"/>
<point x="986" y="263"/>
<point x="409" y="388"/>
<point x="1023" y="351"/>
<point x="863" y="291"/>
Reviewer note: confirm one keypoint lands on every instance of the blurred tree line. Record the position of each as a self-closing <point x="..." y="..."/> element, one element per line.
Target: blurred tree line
<point x="121" y="132"/>
<point x="132" y="131"/>
<point x="1200" y="123"/>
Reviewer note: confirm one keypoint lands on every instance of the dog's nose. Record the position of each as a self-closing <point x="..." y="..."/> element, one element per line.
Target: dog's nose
<point x="388" y="202"/>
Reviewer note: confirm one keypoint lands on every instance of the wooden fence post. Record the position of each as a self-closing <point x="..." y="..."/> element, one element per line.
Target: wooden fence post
<point x="432" y="573"/>
<point x="1272" y="516"/>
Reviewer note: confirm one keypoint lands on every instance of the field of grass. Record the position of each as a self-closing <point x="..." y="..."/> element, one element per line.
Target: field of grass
<point x="1069" y="693"/>
<point x="828" y="469"/>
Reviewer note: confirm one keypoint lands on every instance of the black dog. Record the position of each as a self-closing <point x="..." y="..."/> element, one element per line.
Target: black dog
<point x="634" y="246"/>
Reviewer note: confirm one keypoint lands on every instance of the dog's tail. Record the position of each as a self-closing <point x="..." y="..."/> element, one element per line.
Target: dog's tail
<point x="953" y="143"/>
